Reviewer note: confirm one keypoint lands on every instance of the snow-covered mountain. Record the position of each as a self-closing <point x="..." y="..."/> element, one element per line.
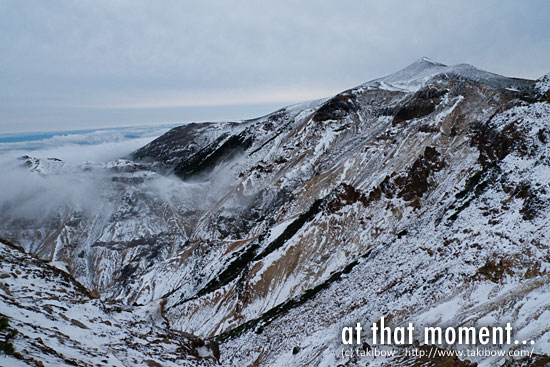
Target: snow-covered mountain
<point x="422" y="197"/>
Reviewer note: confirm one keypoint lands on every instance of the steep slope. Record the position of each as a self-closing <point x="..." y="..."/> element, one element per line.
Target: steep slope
<point x="400" y="197"/>
<point x="60" y="323"/>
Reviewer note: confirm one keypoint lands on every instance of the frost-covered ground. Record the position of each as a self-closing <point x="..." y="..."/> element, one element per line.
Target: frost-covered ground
<point x="60" y="323"/>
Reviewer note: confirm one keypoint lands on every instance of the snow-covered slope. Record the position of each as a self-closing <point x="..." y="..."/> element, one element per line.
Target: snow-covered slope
<point x="60" y="323"/>
<point x="543" y="84"/>
<point x="401" y="197"/>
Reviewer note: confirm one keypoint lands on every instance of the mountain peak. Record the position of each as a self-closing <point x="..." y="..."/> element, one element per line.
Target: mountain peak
<point x="416" y="75"/>
<point x="412" y="77"/>
<point x="425" y="59"/>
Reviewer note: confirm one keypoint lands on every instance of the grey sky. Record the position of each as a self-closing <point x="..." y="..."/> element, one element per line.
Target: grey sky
<point x="80" y="64"/>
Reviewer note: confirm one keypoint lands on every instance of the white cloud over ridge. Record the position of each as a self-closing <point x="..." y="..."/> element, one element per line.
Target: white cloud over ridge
<point x="101" y="145"/>
<point x="84" y="175"/>
<point x="72" y="173"/>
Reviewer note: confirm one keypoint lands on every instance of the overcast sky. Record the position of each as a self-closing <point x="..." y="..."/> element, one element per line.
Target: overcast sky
<point x="84" y="64"/>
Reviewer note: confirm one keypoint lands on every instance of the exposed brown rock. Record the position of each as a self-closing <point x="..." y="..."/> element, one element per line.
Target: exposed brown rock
<point x="421" y="104"/>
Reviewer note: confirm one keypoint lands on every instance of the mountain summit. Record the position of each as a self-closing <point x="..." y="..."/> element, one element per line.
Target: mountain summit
<point x="417" y="74"/>
<point x="420" y="197"/>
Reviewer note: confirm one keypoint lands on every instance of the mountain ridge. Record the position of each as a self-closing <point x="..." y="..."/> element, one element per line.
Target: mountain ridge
<point x="415" y="75"/>
<point x="270" y="234"/>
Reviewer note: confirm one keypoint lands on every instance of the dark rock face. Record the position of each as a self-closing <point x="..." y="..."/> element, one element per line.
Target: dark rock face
<point x="532" y="204"/>
<point x="222" y="150"/>
<point x="346" y="195"/>
<point x="421" y="104"/>
<point x="416" y="182"/>
<point x="336" y="108"/>
<point x="494" y="145"/>
<point x="187" y="138"/>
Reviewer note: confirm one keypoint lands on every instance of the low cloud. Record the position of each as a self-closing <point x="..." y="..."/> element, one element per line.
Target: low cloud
<point x="98" y="145"/>
<point x="65" y="171"/>
<point x="86" y="172"/>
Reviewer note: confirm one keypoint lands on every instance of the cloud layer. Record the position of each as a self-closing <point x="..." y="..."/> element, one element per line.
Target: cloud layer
<point x="101" y="145"/>
<point x="34" y="191"/>
<point x="86" y="173"/>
